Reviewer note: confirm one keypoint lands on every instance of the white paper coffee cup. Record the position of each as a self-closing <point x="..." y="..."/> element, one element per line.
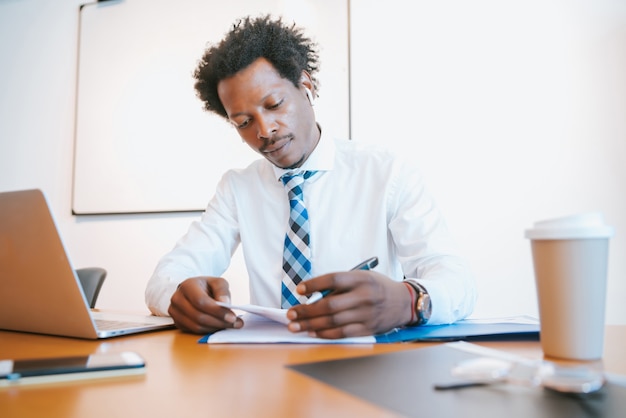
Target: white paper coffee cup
<point x="570" y="259"/>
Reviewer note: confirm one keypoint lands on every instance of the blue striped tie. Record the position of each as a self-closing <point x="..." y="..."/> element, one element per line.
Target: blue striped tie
<point x="297" y="252"/>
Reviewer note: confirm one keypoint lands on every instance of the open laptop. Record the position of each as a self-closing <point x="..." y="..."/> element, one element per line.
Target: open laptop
<point x="39" y="289"/>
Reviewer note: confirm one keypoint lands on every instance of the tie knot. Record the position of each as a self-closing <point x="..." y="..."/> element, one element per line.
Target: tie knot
<point x="291" y="179"/>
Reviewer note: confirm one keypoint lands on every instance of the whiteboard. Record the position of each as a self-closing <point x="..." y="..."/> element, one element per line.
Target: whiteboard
<point x="143" y="141"/>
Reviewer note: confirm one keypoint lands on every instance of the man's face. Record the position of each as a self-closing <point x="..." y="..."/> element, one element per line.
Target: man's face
<point x="272" y="116"/>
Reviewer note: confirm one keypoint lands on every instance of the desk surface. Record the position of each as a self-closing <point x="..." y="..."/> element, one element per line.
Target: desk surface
<point x="185" y="379"/>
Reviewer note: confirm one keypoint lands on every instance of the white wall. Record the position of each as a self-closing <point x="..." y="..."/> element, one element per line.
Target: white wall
<point x="514" y="110"/>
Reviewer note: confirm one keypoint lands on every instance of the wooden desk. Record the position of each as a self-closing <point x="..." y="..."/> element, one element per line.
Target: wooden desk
<point x="186" y="379"/>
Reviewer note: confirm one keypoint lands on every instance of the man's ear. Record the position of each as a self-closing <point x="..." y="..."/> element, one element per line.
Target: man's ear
<point x="309" y="94"/>
<point x="309" y="87"/>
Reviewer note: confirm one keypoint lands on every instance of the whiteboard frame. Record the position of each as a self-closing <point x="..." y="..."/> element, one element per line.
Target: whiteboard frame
<point x="143" y="142"/>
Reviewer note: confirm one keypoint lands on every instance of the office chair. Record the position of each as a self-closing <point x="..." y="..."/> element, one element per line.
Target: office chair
<point x="91" y="279"/>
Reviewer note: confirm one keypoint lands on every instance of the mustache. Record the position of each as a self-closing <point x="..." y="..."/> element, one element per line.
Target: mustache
<point x="271" y="141"/>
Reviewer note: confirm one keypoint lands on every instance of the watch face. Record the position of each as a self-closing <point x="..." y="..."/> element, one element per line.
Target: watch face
<point x="427" y="307"/>
<point x="423" y="305"/>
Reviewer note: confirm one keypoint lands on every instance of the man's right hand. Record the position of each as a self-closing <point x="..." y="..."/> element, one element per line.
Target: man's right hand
<point x="193" y="306"/>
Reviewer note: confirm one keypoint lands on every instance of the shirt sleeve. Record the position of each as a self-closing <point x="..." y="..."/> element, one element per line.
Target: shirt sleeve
<point x="205" y="250"/>
<point x="426" y="249"/>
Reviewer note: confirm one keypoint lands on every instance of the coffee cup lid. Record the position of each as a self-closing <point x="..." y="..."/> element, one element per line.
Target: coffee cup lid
<point x="580" y="226"/>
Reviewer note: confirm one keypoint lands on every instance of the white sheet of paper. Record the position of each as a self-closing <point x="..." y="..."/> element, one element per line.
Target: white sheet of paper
<point x="275" y="314"/>
<point x="260" y="330"/>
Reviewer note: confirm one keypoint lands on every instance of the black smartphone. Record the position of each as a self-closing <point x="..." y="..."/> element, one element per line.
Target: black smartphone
<point x="57" y="369"/>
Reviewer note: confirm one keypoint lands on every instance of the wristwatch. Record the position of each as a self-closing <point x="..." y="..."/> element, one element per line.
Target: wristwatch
<point x="423" y="307"/>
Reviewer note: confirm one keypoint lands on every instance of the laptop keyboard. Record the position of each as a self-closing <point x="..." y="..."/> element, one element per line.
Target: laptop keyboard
<point x="108" y="325"/>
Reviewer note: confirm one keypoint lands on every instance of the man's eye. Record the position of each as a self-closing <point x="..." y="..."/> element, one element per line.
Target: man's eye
<point x="276" y="105"/>
<point x="243" y="124"/>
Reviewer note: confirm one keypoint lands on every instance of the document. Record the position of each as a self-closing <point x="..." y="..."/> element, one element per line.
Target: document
<point x="275" y="314"/>
<point x="261" y="330"/>
<point x="267" y="325"/>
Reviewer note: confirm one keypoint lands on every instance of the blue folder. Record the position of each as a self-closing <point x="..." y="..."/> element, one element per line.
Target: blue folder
<point x="463" y="330"/>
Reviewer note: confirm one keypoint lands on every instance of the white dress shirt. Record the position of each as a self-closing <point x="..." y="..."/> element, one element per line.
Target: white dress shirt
<point x="364" y="202"/>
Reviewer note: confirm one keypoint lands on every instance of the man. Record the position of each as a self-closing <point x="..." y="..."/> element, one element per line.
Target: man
<point x="360" y="201"/>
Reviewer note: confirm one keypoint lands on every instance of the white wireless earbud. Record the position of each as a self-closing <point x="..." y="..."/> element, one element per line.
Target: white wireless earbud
<point x="309" y="95"/>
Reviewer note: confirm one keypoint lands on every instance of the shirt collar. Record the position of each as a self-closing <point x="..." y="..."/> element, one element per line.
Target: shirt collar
<point x="321" y="159"/>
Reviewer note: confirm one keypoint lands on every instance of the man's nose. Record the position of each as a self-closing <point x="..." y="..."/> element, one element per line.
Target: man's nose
<point x="267" y="128"/>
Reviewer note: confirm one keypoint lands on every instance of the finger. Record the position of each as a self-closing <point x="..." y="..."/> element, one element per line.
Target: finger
<point x="194" y="310"/>
<point x="220" y="290"/>
<point x="193" y="322"/>
<point x="187" y="316"/>
<point x="327" y="321"/>
<point x="333" y="303"/>
<point x="201" y="323"/>
<point x="338" y="282"/>
<point x="330" y="281"/>
<point x="202" y="292"/>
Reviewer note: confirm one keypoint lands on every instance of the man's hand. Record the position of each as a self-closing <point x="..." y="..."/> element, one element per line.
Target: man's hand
<point x="360" y="303"/>
<point x="193" y="306"/>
